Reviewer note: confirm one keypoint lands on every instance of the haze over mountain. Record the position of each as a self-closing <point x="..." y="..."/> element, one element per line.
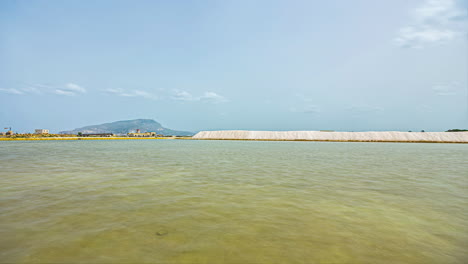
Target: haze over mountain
<point x="127" y="126"/>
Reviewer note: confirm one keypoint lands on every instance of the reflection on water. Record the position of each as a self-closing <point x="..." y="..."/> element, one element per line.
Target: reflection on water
<point x="176" y="201"/>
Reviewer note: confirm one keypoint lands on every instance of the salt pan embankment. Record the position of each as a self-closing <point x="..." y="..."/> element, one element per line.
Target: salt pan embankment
<point x="384" y="136"/>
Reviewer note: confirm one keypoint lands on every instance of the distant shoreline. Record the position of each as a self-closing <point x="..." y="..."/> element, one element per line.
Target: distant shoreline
<point x="233" y="139"/>
<point x="85" y="138"/>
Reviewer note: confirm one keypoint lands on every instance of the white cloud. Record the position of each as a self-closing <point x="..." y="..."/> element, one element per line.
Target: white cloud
<point x="439" y="12"/>
<point x="435" y="22"/>
<point x="131" y="93"/>
<point x="11" y="91"/>
<point x="208" y="97"/>
<point x="70" y="89"/>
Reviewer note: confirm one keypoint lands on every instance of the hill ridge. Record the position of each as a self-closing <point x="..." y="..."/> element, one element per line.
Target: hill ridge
<point x="128" y="126"/>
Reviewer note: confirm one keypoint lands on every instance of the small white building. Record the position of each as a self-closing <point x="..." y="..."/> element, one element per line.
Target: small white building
<point x="41" y="131"/>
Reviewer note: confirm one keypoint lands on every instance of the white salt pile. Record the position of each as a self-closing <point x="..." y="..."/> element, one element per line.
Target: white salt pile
<point x="387" y="136"/>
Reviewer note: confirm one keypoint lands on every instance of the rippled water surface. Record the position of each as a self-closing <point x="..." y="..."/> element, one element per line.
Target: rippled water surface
<point x="185" y="201"/>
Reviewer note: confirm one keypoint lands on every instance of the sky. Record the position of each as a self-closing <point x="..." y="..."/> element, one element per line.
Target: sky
<point x="360" y="65"/>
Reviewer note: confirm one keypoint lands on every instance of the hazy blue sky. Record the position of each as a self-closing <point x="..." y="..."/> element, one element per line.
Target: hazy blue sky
<point x="258" y="65"/>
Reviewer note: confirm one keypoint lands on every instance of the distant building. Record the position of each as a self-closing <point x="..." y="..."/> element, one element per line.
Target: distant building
<point x="144" y="134"/>
<point x="9" y="133"/>
<point x="98" y="135"/>
<point x="41" y="131"/>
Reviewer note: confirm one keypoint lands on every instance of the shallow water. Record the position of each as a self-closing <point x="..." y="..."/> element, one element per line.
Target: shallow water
<point x="186" y="201"/>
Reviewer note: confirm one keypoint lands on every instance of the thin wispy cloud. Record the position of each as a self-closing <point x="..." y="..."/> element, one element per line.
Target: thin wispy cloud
<point x="70" y="89"/>
<point x="182" y="96"/>
<point x="131" y="93"/>
<point x="435" y="22"/>
<point x="306" y="105"/>
<point x="364" y="109"/>
<point x="64" y="92"/>
<point x="75" y="88"/>
<point x="38" y="88"/>
<point x="425" y="108"/>
<point x="212" y="97"/>
<point x="26" y="88"/>
<point x="308" y="109"/>
<point x="447" y="89"/>
<point x="208" y="97"/>
<point x="32" y="90"/>
<point x="11" y="91"/>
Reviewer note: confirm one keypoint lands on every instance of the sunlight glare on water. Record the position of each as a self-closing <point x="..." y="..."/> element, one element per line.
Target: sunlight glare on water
<point x="187" y="201"/>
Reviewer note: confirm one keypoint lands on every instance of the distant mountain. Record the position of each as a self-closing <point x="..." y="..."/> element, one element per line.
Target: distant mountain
<point x="128" y="126"/>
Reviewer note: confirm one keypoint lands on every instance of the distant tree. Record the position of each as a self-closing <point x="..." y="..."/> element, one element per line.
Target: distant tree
<point x="80" y="134"/>
<point x="422" y="130"/>
<point x="457" y="130"/>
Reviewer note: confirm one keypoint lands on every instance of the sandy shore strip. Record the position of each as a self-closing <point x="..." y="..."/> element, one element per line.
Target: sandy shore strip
<point x="373" y="136"/>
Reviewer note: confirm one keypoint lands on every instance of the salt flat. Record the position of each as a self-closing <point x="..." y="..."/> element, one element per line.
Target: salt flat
<point x="373" y="136"/>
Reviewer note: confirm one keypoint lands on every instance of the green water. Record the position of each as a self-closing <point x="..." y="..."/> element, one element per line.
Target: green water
<point x="183" y="201"/>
